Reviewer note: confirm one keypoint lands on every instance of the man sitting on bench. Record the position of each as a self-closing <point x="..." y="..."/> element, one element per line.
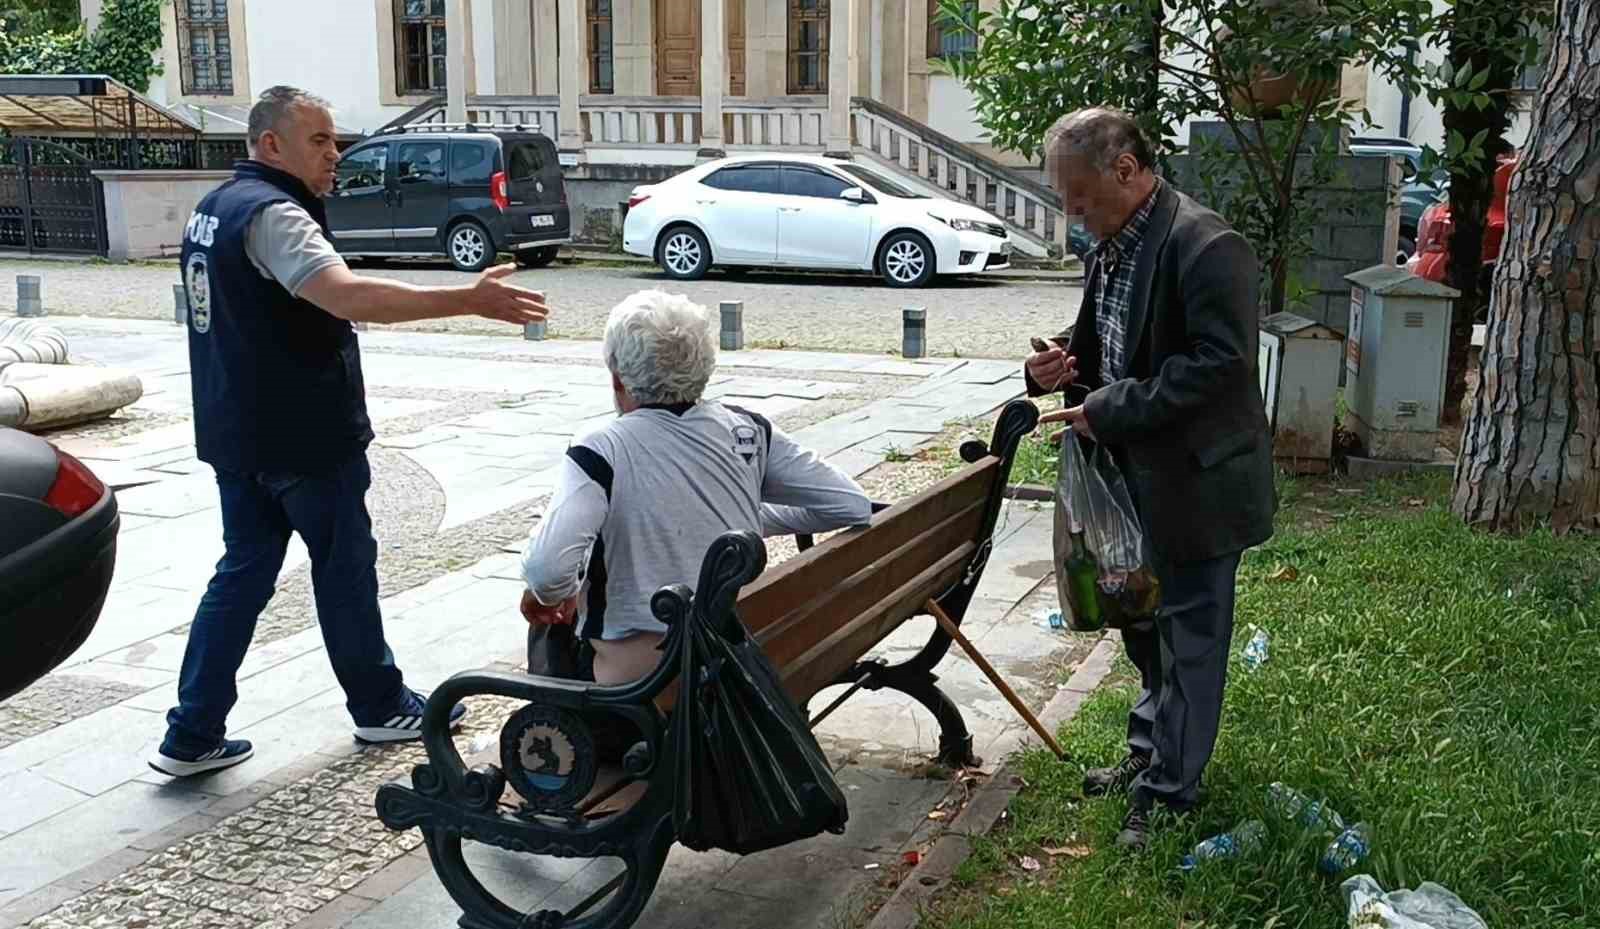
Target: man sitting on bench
<point x="638" y="502"/>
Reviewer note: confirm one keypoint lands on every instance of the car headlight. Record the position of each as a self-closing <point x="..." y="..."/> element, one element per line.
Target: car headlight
<point x="960" y="225"/>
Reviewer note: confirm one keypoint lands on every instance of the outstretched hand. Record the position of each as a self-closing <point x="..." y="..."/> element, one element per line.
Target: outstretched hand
<point x="493" y="297"/>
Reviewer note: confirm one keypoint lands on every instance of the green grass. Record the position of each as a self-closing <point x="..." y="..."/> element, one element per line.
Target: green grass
<point x="1434" y="682"/>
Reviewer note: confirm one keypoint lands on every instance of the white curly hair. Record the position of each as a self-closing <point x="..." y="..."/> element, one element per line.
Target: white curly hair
<point x="661" y="347"/>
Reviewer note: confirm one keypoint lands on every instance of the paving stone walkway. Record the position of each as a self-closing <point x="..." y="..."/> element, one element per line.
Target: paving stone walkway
<point x="470" y="431"/>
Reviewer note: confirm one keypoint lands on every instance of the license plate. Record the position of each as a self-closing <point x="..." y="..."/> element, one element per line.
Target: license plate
<point x="539" y="221"/>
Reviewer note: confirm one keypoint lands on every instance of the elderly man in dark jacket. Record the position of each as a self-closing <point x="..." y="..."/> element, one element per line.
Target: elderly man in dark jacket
<point x="1166" y="346"/>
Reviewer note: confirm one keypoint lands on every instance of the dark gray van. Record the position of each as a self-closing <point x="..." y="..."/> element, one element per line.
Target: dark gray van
<point x="463" y="192"/>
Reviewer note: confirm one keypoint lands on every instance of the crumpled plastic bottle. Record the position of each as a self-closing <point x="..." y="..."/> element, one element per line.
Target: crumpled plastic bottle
<point x="1256" y="651"/>
<point x="1241" y="842"/>
<point x="1294" y="806"/>
<point x="1348" y="850"/>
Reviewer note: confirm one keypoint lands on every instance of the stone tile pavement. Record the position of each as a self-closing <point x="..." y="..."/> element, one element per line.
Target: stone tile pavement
<point x="90" y="837"/>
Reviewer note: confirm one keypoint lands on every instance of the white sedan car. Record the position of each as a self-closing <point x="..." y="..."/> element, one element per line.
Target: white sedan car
<point x="796" y="211"/>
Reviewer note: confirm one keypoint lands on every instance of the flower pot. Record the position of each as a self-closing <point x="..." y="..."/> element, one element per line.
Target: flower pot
<point x="1269" y="93"/>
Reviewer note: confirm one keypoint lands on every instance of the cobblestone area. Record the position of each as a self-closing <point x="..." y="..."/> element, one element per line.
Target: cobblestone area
<point x="300" y="847"/>
<point x="980" y="317"/>
<point x="275" y="863"/>
<point x="55" y="700"/>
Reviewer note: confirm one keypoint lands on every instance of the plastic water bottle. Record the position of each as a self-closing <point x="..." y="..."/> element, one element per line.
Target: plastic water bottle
<point x="1256" y="650"/>
<point x="1295" y="806"/>
<point x="1348" y="850"/>
<point x="1241" y="842"/>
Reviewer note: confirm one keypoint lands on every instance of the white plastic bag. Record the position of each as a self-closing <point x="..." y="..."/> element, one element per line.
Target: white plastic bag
<point x="1103" y="576"/>
<point x="1430" y="906"/>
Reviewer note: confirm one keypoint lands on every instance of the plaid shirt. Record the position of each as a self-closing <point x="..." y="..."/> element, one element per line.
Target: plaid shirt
<point x="1114" y="262"/>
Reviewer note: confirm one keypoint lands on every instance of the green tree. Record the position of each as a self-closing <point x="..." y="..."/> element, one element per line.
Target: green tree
<point x="123" y="47"/>
<point x="1490" y="43"/>
<point x="1531" y="451"/>
<point x="1230" y="60"/>
<point x="33" y="17"/>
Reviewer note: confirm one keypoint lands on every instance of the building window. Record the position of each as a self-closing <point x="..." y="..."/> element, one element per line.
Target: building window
<point x="808" y="46"/>
<point x="420" y="47"/>
<point x="205" y="56"/>
<point x="949" y="40"/>
<point x="602" y="77"/>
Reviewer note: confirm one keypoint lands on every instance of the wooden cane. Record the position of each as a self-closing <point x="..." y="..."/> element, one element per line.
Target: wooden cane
<point x="954" y="631"/>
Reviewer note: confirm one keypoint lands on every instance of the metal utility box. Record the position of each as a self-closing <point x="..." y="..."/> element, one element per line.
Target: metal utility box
<point x="1395" y="354"/>
<point x="1299" y="369"/>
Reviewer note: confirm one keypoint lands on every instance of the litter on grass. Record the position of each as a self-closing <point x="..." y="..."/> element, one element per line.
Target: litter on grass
<point x="1430" y="906"/>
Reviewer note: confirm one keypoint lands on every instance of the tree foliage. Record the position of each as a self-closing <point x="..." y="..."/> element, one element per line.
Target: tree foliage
<point x="1038" y="60"/>
<point x="29" y="17"/>
<point x="123" y="47"/>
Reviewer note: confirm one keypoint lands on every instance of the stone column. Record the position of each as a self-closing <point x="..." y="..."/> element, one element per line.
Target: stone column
<point x="546" y="48"/>
<point x="574" y="75"/>
<point x="843" y="72"/>
<point x="917" y="60"/>
<point x="894" y="53"/>
<point x="461" y="70"/>
<point x="513" y="47"/>
<point x="713" y="75"/>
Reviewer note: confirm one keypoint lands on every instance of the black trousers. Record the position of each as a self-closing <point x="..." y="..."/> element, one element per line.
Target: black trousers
<point x="1182" y="657"/>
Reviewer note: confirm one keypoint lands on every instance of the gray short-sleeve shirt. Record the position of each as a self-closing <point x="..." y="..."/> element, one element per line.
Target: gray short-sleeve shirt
<point x="286" y="245"/>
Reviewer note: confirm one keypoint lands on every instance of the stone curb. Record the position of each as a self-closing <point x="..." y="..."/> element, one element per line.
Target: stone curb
<point x="925" y="881"/>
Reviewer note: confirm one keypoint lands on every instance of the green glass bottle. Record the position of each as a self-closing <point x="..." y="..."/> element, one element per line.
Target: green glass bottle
<point x="1083" y="576"/>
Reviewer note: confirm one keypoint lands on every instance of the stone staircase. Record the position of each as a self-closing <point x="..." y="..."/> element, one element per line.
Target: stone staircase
<point x="937" y="163"/>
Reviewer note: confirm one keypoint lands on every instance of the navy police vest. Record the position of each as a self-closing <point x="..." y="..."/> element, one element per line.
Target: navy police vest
<point x="277" y="381"/>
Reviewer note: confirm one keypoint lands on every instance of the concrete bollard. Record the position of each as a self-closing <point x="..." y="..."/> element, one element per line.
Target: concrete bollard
<point x="732" y="325"/>
<point x="30" y="301"/>
<point x="180" y="305"/>
<point x="534" y="332"/>
<point x="914" y="340"/>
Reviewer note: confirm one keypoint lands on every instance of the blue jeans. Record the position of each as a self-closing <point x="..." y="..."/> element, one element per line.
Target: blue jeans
<point x="259" y="511"/>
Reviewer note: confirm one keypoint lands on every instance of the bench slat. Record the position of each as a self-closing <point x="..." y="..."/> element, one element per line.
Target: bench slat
<point x="769" y="597"/>
<point x="829" y="609"/>
<point x="823" y="663"/>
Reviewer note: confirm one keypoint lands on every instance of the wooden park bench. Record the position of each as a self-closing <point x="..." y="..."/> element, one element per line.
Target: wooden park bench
<point x="817" y="616"/>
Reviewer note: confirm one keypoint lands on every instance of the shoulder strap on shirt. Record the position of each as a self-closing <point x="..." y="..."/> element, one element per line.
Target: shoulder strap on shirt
<point x="596" y="467"/>
<point x="761" y="422"/>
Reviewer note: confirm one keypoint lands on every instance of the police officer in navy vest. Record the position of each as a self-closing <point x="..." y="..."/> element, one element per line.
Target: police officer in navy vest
<point x="280" y="414"/>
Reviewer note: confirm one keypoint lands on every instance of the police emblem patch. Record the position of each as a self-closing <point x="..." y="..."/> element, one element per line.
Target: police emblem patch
<point x="197" y="280"/>
<point x="745" y="439"/>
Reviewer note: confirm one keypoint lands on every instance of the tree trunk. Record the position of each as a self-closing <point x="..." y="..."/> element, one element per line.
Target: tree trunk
<point x="1477" y="40"/>
<point x="1531" y="452"/>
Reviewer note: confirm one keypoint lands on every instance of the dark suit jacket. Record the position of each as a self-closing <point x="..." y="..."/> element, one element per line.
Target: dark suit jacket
<point x="1187" y="421"/>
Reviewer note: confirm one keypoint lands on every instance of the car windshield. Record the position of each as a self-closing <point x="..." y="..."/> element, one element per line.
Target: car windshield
<point x="880" y="183"/>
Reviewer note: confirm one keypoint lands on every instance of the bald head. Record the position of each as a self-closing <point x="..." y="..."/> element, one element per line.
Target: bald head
<point x="1100" y="161"/>
<point x="1100" y="135"/>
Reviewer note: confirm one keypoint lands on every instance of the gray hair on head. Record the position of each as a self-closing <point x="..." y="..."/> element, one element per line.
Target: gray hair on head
<point x="1100" y="134"/>
<point x="274" y="105"/>
<point x="661" y="347"/>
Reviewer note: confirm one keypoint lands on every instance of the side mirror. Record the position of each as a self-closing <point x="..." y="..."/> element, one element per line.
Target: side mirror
<point x="854" y="195"/>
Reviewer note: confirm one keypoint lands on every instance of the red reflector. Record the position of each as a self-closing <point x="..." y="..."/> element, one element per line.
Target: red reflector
<point x="498" y="192"/>
<point x="637" y="199"/>
<point x="76" y="488"/>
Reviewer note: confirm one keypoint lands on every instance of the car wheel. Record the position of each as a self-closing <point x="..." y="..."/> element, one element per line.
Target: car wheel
<point x="684" y="253"/>
<point x="469" y="248"/>
<point x="907" y="261"/>
<point x="537" y="257"/>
